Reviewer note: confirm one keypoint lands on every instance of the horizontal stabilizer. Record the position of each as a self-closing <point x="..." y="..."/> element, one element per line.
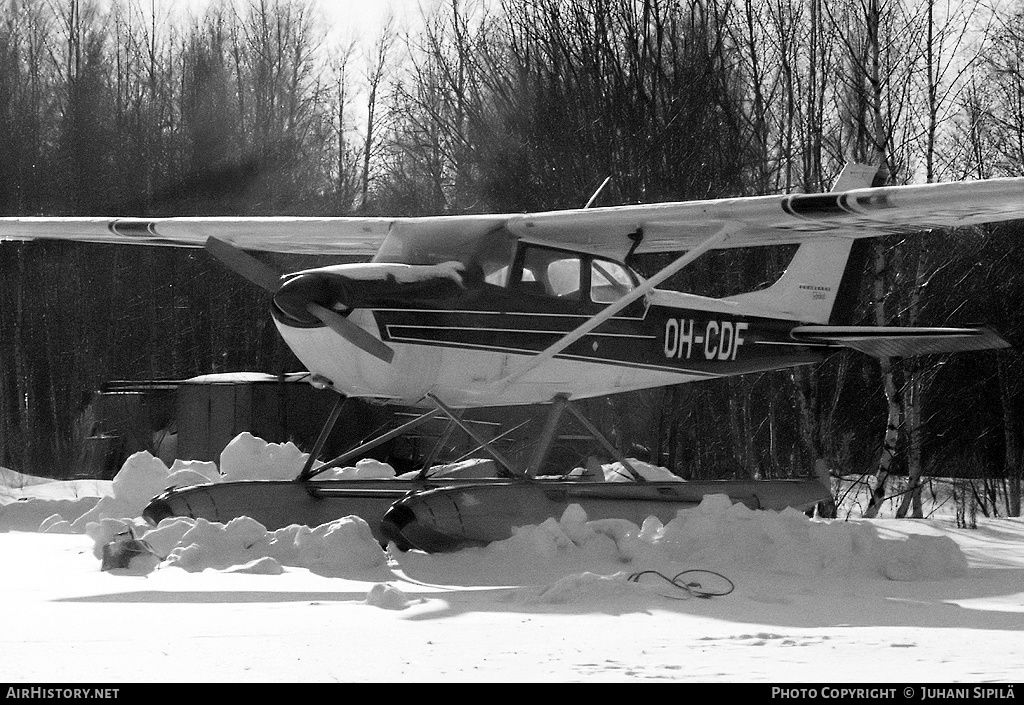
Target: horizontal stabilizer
<point x="884" y="341"/>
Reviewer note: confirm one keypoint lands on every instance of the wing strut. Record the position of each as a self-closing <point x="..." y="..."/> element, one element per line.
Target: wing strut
<point x="594" y="321"/>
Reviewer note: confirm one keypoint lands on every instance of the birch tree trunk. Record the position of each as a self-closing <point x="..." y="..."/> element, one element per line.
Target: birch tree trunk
<point x="894" y="406"/>
<point x="1011" y="435"/>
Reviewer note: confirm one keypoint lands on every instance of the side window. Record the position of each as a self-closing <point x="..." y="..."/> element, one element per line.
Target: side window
<point x="551" y="273"/>
<point x="609" y="281"/>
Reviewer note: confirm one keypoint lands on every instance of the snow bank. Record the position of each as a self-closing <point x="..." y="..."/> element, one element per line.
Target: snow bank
<point x="390" y="597"/>
<point x="29" y="504"/>
<point x="141" y="478"/>
<point x="719" y="533"/>
<point x="344" y="547"/>
<point x="715" y="534"/>
<point x="722" y="535"/>
<point x="365" y="469"/>
<point x="615" y="472"/>
<point x="579" y="587"/>
<point x="27" y="501"/>
<point x="30" y="514"/>
<point x="247" y="457"/>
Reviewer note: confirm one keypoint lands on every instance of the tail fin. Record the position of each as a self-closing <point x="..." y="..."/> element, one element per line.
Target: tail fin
<point x="821" y="283"/>
<point x="856" y="175"/>
<point x="809" y="287"/>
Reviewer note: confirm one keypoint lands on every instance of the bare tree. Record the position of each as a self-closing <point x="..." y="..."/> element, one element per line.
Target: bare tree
<point x="376" y="74"/>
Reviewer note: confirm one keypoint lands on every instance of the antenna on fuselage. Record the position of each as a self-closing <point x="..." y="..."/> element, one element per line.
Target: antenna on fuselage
<point x="598" y="192"/>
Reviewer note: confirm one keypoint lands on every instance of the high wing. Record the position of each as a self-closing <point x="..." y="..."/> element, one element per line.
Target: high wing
<point x="346" y="236"/>
<point x="612" y="231"/>
<point x="769" y="220"/>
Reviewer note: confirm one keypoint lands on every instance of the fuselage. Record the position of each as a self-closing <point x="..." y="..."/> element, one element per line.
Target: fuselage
<point x="462" y="338"/>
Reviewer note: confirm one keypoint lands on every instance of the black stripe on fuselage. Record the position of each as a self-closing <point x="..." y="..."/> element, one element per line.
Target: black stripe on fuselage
<point x="680" y="340"/>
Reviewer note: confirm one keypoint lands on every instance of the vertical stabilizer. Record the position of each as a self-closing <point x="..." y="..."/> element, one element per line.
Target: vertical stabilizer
<point x="811" y="285"/>
<point x="855" y="176"/>
<point x="807" y="290"/>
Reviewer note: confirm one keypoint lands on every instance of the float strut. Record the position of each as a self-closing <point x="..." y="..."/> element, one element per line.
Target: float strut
<point x="472" y="434"/>
<point x="369" y="445"/>
<point x="547" y="435"/>
<point x="606" y="443"/>
<point x="441" y="442"/>
<point x="307" y="469"/>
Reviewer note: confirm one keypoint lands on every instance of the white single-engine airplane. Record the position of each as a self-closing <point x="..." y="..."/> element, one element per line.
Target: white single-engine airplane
<point x="454" y="312"/>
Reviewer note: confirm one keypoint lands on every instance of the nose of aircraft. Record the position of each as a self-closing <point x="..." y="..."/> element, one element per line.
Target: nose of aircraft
<point x="341" y="288"/>
<point x="327" y="289"/>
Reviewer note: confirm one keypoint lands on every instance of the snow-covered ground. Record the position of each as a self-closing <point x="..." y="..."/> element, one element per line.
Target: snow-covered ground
<point x="883" y="601"/>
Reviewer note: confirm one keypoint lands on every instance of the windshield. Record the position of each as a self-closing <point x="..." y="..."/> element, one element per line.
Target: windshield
<point x="487" y="256"/>
<point x="490" y="257"/>
<point x="440" y="240"/>
<point x="563" y="274"/>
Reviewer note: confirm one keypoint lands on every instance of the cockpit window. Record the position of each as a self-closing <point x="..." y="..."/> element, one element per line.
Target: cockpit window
<point x="491" y="257"/>
<point x="609" y="281"/>
<point x="551" y="273"/>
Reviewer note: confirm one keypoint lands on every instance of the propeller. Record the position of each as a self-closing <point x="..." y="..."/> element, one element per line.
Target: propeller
<point x="241" y="262"/>
<point x="265" y="277"/>
<point x="352" y="333"/>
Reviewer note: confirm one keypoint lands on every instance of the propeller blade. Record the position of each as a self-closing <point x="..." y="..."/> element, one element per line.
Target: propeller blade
<point x="352" y="333"/>
<point x="244" y="264"/>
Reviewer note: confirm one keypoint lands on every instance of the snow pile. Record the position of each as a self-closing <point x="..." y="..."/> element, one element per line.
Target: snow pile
<point x="471" y="467"/>
<point x="247" y="457"/>
<point x="344" y="547"/>
<point x="716" y="534"/>
<point x="260" y="566"/>
<point x="615" y="472"/>
<point x="573" y="535"/>
<point x="26" y="501"/>
<point x="389" y="597"/>
<point x="144" y="476"/>
<point x="719" y="534"/>
<point x="141" y="478"/>
<point x="578" y="587"/>
<point x="365" y="469"/>
<point x="29" y="514"/>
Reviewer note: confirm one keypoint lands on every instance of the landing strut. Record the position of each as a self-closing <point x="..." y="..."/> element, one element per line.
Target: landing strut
<point x="560" y="404"/>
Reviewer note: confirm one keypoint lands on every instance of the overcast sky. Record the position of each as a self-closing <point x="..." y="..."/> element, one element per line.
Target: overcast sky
<point x="360" y="17"/>
<point x="368" y="15"/>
